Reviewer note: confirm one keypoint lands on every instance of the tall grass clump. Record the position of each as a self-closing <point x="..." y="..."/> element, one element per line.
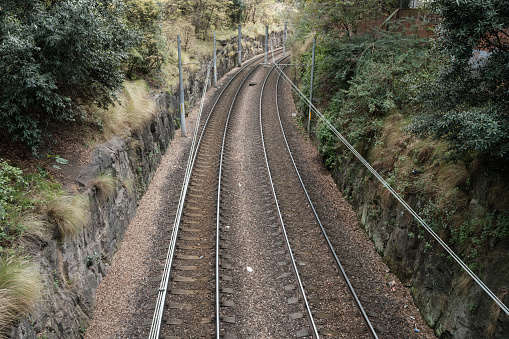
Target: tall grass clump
<point x="70" y="213"/>
<point x="135" y="109"/>
<point x="19" y="290"/>
<point x="105" y="184"/>
<point x="24" y="200"/>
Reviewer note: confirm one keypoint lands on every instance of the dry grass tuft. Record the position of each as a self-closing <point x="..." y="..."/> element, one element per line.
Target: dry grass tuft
<point x="129" y="186"/>
<point x="451" y="175"/>
<point x="70" y="213"/>
<point x="464" y="284"/>
<point x="19" y="290"/>
<point x="135" y="110"/>
<point x="497" y="195"/>
<point x="386" y="198"/>
<point x="135" y="144"/>
<point x="495" y="313"/>
<point x="105" y="185"/>
<point x="424" y="152"/>
<point x="393" y="137"/>
<point x="37" y="226"/>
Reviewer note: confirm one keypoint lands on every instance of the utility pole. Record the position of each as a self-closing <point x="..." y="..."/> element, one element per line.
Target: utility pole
<point x="284" y="37"/>
<point x="181" y="88"/>
<point x="311" y="86"/>
<point x="240" y="45"/>
<point x="215" y="61"/>
<point x="266" y="42"/>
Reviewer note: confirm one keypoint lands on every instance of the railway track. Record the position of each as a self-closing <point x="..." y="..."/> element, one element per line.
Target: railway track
<point x="249" y="258"/>
<point x="335" y="305"/>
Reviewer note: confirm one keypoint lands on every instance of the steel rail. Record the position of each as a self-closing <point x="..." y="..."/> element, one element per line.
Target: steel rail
<point x="155" y="329"/>
<point x="331" y="248"/>
<point x="292" y="258"/>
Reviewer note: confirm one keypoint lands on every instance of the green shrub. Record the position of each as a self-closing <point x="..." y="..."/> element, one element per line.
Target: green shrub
<point x="477" y="131"/>
<point x="361" y="80"/>
<point x="55" y="57"/>
<point x="11" y="182"/>
<point x="24" y="200"/>
<point x="10" y="179"/>
<point x="467" y="99"/>
<point x="149" y="54"/>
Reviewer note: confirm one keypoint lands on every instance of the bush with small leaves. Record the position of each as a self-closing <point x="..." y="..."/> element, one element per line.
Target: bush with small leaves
<point x="56" y="56"/>
<point x="467" y="99"/>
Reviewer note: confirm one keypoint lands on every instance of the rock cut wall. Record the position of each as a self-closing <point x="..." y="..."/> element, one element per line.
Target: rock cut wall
<point x="450" y="302"/>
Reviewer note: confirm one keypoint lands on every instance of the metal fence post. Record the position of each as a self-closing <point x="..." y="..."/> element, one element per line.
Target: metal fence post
<point x="181" y="88"/>
<point x="215" y="61"/>
<point x="311" y="86"/>
<point x="240" y="45"/>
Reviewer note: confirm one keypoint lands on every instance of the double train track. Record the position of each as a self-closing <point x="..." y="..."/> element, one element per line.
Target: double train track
<point x="250" y="257"/>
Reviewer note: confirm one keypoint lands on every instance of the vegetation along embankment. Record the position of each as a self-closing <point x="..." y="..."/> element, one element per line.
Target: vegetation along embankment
<point x="427" y="104"/>
<point x="81" y="80"/>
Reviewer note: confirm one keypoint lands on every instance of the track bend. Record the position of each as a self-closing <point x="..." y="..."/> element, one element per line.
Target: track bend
<point x="190" y="297"/>
<point x="190" y="300"/>
<point x="325" y="286"/>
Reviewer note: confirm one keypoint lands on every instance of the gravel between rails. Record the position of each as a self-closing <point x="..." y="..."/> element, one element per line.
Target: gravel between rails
<point x="261" y="307"/>
<point x="333" y="306"/>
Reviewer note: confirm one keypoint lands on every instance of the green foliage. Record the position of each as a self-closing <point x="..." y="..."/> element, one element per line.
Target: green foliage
<point x="55" y="57"/>
<point x="236" y="12"/>
<point x="483" y="231"/>
<point x="202" y="14"/>
<point x="149" y="54"/>
<point x="362" y="79"/>
<point x="438" y="214"/>
<point x="22" y="198"/>
<point x="328" y="144"/>
<point x="11" y="183"/>
<point x="343" y="15"/>
<point x="467" y="101"/>
<point x="11" y="180"/>
<point x="482" y="130"/>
